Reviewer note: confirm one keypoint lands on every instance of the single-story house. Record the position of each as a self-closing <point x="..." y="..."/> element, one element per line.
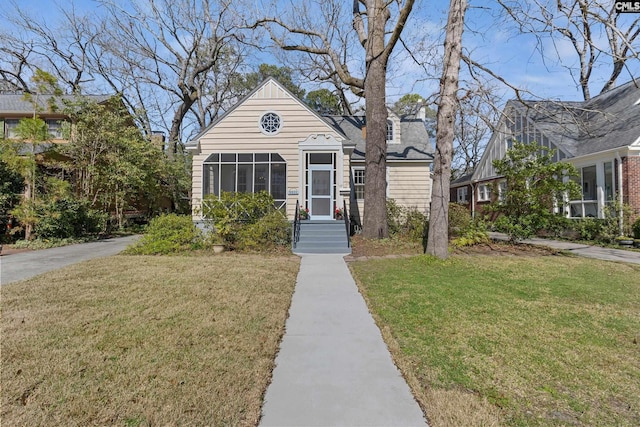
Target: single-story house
<point x="273" y="141"/>
<point x="600" y="137"/>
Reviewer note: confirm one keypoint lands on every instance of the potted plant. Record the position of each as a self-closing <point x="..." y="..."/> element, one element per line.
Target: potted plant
<point x="217" y="243"/>
<point x="626" y="241"/>
<point x="304" y="213"/>
<point x="339" y="214"/>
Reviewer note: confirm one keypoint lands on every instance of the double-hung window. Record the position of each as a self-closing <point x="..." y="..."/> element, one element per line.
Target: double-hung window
<point x="484" y="193"/>
<point x="463" y="195"/>
<point x="358" y="182"/>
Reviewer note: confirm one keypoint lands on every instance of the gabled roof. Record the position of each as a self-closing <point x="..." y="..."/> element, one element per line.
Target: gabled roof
<point x="607" y="121"/>
<point x="462" y="180"/>
<point x="17" y="104"/>
<point x="415" y="143"/>
<point x="194" y="141"/>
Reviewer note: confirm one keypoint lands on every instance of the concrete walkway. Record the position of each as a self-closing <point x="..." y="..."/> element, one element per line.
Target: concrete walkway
<point x="24" y="265"/>
<point x="598" y="252"/>
<point x="333" y="368"/>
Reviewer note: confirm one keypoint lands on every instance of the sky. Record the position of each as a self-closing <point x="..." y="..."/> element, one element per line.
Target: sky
<point x="490" y="40"/>
<point x="493" y="41"/>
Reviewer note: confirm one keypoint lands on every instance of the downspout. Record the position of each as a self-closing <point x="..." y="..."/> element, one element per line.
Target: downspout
<point x="620" y="194"/>
<point x="473" y="201"/>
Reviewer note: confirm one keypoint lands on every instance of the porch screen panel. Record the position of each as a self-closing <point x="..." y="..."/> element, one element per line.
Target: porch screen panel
<point x="589" y="183"/>
<point x="245" y="178"/>
<point x="609" y="189"/>
<point x="228" y="177"/>
<point x="246" y="173"/>
<point x="278" y="181"/>
<point x="210" y="179"/>
<point x="261" y="180"/>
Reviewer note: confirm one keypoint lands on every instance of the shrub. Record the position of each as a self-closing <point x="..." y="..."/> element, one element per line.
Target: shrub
<point x="407" y="223"/>
<point x="459" y="219"/>
<point x="237" y="207"/>
<point x="168" y="234"/>
<point x="557" y="225"/>
<point x="268" y="232"/>
<point x="247" y="221"/>
<point x="588" y="228"/>
<point x="518" y="228"/>
<point x="636" y="228"/>
<point x="64" y="218"/>
<point x="474" y="233"/>
<point x="415" y="224"/>
<point x="395" y="214"/>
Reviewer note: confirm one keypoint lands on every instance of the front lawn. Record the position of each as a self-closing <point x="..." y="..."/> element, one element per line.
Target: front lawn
<point x="142" y="340"/>
<point x="515" y="340"/>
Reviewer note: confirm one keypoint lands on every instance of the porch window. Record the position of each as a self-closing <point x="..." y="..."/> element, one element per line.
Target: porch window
<point x="246" y="173"/>
<point x="358" y="182"/>
<point x="484" y="193"/>
<point x="609" y="182"/>
<point x="587" y="206"/>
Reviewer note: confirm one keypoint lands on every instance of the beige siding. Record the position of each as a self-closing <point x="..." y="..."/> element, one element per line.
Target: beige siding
<point x="239" y="132"/>
<point x="410" y="185"/>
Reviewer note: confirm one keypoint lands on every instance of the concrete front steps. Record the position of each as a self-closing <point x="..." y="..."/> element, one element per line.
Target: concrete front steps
<point x="322" y="237"/>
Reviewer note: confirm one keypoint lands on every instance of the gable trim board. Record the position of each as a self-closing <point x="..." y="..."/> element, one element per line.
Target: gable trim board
<point x="305" y="141"/>
<point x="602" y="131"/>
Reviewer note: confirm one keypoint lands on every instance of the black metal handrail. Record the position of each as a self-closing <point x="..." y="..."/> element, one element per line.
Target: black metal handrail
<point x="347" y="222"/>
<point x="296" y="226"/>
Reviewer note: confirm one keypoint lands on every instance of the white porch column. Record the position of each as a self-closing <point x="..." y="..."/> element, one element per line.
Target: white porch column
<point x="600" y="188"/>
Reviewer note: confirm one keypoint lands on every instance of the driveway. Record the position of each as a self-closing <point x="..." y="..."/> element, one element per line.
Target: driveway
<point x="598" y="252"/>
<point x="24" y="265"/>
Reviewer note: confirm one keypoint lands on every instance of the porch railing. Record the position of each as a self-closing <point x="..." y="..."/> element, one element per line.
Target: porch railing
<point x="347" y="222"/>
<point x="295" y="235"/>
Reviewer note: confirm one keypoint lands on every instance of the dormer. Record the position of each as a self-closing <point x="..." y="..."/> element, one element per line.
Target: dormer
<point x="393" y="128"/>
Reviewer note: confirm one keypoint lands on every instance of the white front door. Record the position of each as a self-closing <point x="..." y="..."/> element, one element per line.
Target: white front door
<point x="321" y="192"/>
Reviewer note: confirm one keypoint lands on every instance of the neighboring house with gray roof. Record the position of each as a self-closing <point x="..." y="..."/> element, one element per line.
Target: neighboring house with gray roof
<point x="14" y="107"/>
<point x="600" y="137"/>
<point x="273" y="141"/>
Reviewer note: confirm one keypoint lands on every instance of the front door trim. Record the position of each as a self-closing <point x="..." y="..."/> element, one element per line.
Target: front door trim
<point x="316" y="211"/>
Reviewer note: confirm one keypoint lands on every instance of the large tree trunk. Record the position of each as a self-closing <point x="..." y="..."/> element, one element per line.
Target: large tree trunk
<point x="438" y="240"/>
<point x="375" y="199"/>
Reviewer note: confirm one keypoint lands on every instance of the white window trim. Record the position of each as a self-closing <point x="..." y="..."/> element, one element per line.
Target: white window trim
<point x="462" y="194"/>
<point x="353" y="170"/>
<point x="484" y="193"/>
<point x="263" y="130"/>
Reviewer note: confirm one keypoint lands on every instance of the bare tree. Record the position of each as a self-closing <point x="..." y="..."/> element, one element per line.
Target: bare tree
<point x="35" y="42"/>
<point x="438" y="239"/>
<point x="377" y="34"/>
<point x="477" y="115"/>
<point x="15" y="58"/>
<point x="178" y="48"/>
<point x="582" y="23"/>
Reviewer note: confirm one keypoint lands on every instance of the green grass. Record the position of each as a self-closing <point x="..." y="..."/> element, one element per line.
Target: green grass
<point x="546" y="340"/>
<point x="144" y="340"/>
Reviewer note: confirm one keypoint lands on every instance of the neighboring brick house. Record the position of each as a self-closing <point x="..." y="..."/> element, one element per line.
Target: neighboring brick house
<point x="600" y="137"/>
